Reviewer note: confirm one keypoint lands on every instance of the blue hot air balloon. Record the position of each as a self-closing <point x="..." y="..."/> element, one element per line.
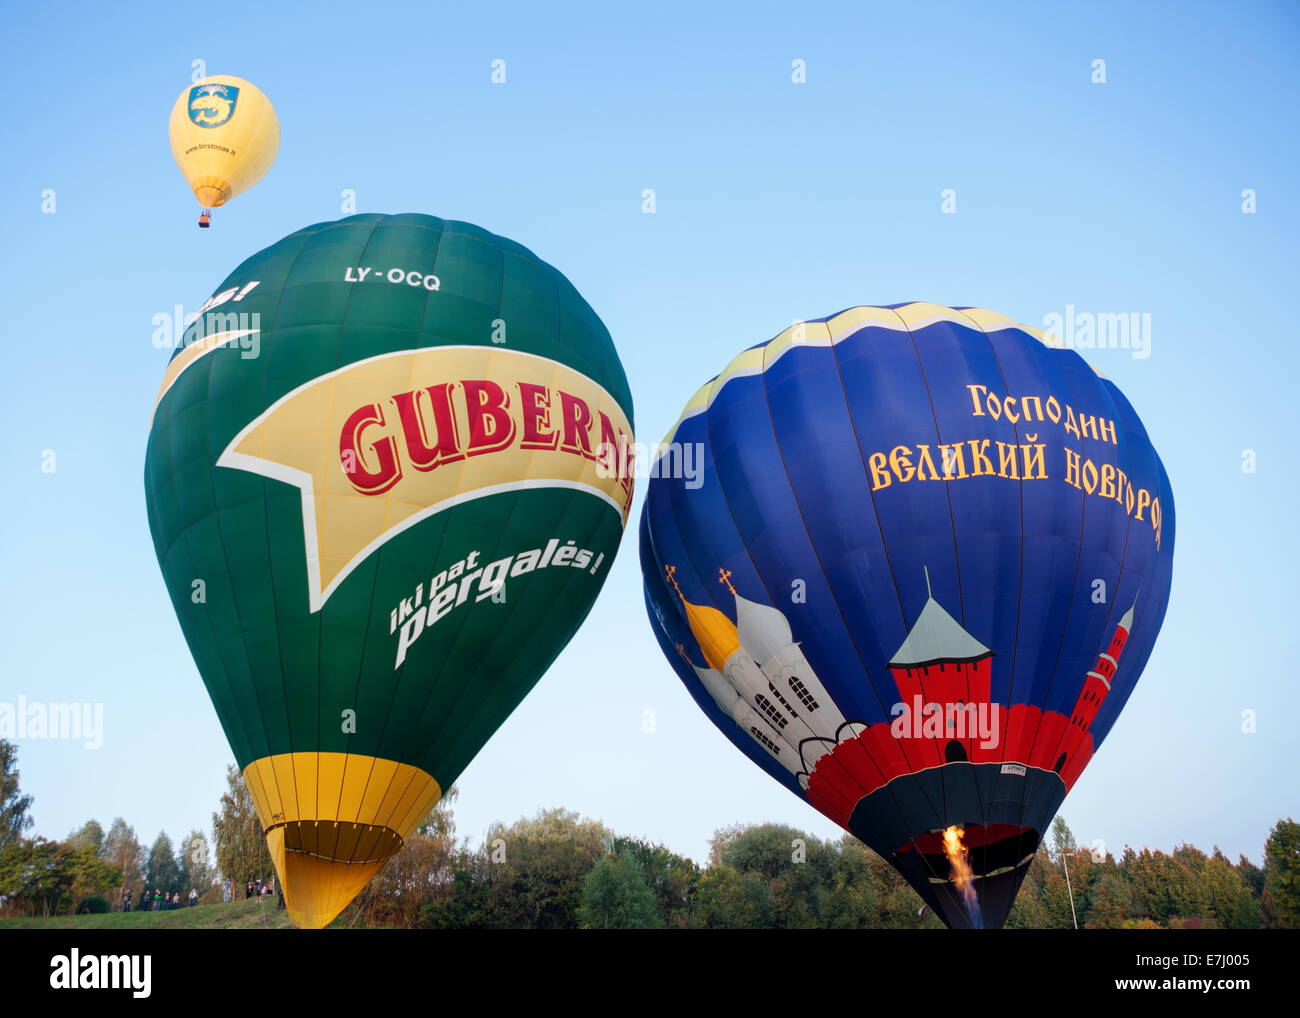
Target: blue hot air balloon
<point x="921" y="571"/>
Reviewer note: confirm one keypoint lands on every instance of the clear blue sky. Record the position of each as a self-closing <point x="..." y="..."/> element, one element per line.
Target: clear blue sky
<point x="775" y="201"/>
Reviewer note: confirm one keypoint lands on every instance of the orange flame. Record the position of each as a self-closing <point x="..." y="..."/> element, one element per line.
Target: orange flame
<point x="963" y="876"/>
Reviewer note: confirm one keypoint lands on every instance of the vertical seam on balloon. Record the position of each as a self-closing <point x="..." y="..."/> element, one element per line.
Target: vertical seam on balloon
<point x="830" y="588"/>
<point x="243" y="632"/>
<point x="686" y="551"/>
<point x="220" y="657"/>
<point x="857" y="440"/>
<point x="952" y="522"/>
<point x="450" y="644"/>
<point x="320" y="621"/>
<point x="378" y="556"/>
<point x="1025" y="799"/>
<point x="680" y="608"/>
<point x="1020" y="583"/>
<point x="1112" y="603"/>
<point x="270" y="569"/>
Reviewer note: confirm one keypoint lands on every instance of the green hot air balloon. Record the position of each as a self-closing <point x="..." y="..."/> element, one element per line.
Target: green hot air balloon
<point x="387" y="474"/>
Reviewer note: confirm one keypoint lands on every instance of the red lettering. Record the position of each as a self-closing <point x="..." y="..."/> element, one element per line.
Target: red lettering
<point x="368" y="482"/>
<point x="537" y="417"/>
<point x="576" y="416"/>
<point x="491" y="428"/>
<point x="414" y="427"/>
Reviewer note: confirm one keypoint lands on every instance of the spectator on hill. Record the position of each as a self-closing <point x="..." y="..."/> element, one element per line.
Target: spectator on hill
<point x="194" y="897"/>
<point x="248" y="889"/>
<point x="126" y="900"/>
<point x="225" y="896"/>
<point x="157" y="899"/>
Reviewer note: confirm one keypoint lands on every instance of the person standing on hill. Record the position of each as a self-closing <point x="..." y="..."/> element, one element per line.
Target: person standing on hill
<point x="194" y="897"/>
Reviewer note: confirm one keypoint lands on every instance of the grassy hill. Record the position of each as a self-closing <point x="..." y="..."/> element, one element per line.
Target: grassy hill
<point x="239" y="915"/>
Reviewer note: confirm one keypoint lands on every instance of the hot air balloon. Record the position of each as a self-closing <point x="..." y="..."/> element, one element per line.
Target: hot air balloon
<point x="225" y="136"/>
<point x="916" y="581"/>
<point x="387" y="474"/>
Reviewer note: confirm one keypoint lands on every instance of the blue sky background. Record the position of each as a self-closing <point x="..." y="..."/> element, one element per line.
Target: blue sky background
<point x="775" y="201"/>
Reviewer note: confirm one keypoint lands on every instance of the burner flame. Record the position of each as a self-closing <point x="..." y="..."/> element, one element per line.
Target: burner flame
<point x="963" y="877"/>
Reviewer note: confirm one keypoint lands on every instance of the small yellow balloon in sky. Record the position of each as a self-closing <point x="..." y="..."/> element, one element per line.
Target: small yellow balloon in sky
<point x="225" y="136"/>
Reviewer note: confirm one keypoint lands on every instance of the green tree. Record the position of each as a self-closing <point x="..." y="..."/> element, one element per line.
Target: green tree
<point x="40" y="877"/>
<point x="121" y="849"/>
<point x="1251" y="875"/>
<point x="728" y="900"/>
<point x="241" y="852"/>
<point x="1062" y="837"/>
<point x="1221" y="890"/>
<point x="88" y="837"/>
<point x="529" y="874"/>
<point x="194" y="861"/>
<point x="1281" y="898"/>
<point x="796" y="867"/>
<point x="1109" y="901"/>
<point x="615" y="896"/>
<point x="670" y="876"/>
<point x="15" y="808"/>
<point x="851" y="898"/>
<point x="161" y="872"/>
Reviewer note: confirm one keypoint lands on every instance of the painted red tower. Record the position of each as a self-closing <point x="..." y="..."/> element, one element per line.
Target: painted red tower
<point x="940" y="663"/>
<point x="1095" y="687"/>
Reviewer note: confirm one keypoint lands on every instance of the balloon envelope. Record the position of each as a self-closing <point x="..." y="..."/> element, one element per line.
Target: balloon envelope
<point x="377" y="495"/>
<point x="922" y="568"/>
<point x="224" y="135"/>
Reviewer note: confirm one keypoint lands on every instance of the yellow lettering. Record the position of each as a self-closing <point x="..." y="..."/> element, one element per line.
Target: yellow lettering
<point x="1089" y="480"/>
<point x="953" y="459"/>
<point x="1144" y="500"/>
<point x="900" y="462"/>
<point x="1072" y="467"/>
<point x="923" y="458"/>
<point x="879" y="475"/>
<point x="1071" y="426"/>
<point x="975" y="399"/>
<point x="1007" y="457"/>
<point x="1053" y="415"/>
<point x="1034" y="458"/>
<point x="1032" y="413"/>
<point x="1107" y="481"/>
<point x="1108" y="431"/>
<point x="1007" y="405"/>
<point x="982" y="464"/>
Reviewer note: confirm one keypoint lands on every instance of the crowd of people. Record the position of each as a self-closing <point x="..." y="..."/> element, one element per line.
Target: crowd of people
<point x="163" y="901"/>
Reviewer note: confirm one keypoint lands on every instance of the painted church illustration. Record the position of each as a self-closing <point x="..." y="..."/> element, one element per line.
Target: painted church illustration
<point x="758" y="675"/>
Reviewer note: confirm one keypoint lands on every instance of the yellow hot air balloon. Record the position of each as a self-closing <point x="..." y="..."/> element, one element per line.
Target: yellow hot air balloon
<point x="225" y="136"/>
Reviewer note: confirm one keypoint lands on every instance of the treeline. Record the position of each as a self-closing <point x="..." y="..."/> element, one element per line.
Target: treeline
<point x="558" y="870"/>
<point x="93" y="870"/>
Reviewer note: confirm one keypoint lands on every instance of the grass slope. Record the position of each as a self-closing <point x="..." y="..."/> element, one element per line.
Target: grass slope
<point x="239" y="915"/>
